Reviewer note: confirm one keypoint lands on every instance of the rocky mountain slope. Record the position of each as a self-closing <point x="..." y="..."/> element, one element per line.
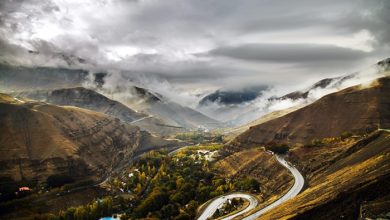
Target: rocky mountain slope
<point x="226" y="106"/>
<point x="39" y="140"/>
<point x="234" y="132"/>
<point x="256" y="163"/>
<point x="92" y="100"/>
<point x="346" y="168"/>
<point x="355" y="109"/>
<point x="169" y="111"/>
<point x="169" y="116"/>
<point x="346" y="179"/>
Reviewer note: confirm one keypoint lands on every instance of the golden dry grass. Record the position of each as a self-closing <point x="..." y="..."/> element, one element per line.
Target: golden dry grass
<point x="355" y="176"/>
<point x="38" y="139"/>
<point x="256" y="163"/>
<point x="232" y="133"/>
<point x="236" y="162"/>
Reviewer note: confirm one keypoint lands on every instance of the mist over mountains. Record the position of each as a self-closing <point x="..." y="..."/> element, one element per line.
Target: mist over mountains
<point x="144" y="109"/>
<point x="237" y="107"/>
<point x="273" y="99"/>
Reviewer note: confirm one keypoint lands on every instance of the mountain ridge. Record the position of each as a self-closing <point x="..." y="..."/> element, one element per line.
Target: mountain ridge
<point x="354" y="109"/>
<point x="65" y="140"/>
<point x="92" y="100"/>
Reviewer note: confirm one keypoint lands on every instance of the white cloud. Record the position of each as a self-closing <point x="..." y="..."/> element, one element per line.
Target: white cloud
<point x="162" y="39"/>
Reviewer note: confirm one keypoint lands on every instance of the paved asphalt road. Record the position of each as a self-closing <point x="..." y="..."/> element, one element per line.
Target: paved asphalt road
<point x="141" y="119"/>
<point x="295" y="189"/>
<point x="216" y="203"/>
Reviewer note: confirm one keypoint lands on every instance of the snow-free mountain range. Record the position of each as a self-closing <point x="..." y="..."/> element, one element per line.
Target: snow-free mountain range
<point x="57" y="121"/>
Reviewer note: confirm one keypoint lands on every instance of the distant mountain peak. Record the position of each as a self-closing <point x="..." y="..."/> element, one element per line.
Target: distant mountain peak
<point x="147" y="94"/>
<point x="233" y="97"/>
<point x="384" y="62"/>
<point x="354" y="109"/>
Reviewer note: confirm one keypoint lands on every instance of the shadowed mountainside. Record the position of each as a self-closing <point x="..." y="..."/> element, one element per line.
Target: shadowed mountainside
<point x="92" y="100"/>
<point x="169" y="111"/>
<point x="39" y="140"/>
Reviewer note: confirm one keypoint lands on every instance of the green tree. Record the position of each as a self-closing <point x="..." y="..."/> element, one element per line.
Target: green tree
<point x="204" y="193"/>
<point x="345" y="135"/>
<point x="192" y="207"/>
<point x="183" y="216"/>
<point x="106" y="205"/>
<point x="79" y="214"/>
<point x="248" y="184"/>
<point x="69" y="213"/>
<point x="169" y="211"/>
<point x="155" y="201"/>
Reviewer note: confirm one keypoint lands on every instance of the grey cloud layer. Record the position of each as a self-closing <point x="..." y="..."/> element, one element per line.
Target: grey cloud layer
<point x="170" y="35"/>
<point x="289" y="53"/>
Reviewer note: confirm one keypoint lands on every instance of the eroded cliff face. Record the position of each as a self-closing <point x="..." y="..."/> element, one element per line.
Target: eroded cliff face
<point x="38" y="140"/>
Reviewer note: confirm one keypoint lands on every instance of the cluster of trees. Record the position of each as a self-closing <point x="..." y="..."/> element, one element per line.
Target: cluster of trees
<point x="157" y="200"/>
<point x="277" y="148"/>
<point x="210" y="147"/>
<point x="58" y="180"/>
<point x="95" y="210"/>
<point x="247" y="184"/>
<point x="345" y="135"/>
<point x="9" y="189"/>
<point x="161" y="187"/>
<point x="316" y="143"/>
<point x="200" y="137"/>
<point x="228" y="207"/>
<point x="173" y="187"/>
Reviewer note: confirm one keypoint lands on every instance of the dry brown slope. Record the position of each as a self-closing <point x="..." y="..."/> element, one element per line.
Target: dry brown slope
<point x="232" y="133"/>
<point x="274" y="179"/>
<point x="352" y="109"/>
<point x="38" y="140"/>
<point x="92" y="100"/>
<point x="357" y="175"/>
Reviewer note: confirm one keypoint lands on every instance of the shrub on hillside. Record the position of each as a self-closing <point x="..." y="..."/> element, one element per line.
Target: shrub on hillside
<point x="58" y="180"/>
<point x="247" y="184"/>
<point x="315" y="143"/>
<point x="277" y="148"/>
<point x="345" y="135"/>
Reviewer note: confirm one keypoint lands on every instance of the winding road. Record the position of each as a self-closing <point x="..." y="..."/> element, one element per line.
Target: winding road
<point x="140" y="119"/>
<point x="295" y="189"/>
<point x="216" y="203"/>
<point x="176" y="150"/>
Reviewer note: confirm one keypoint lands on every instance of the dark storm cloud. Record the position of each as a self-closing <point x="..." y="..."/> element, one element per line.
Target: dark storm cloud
<point x="160" y="38"/>
<point x="227" y="19"/>
<point x="289" y="53"/>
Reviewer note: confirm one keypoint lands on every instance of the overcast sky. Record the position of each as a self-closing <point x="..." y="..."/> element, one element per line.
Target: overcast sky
<point x="200" y="44"/>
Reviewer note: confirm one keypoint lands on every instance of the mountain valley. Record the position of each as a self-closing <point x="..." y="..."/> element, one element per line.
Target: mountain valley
<point x="158" y="124"/>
